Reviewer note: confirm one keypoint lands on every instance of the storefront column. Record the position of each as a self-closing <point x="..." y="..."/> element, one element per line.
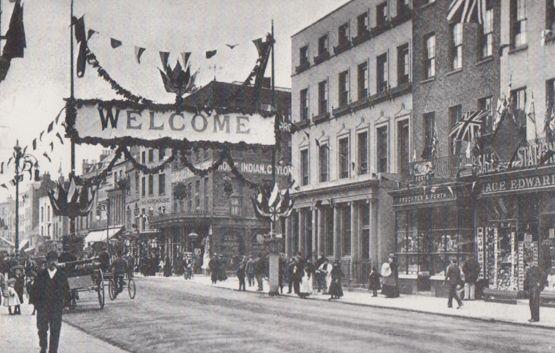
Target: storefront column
<point x="288" y="236"/>
<point x="301" y="232"/>
<point x="314" y="250"/>
<point x="336" y="235"/>
<point x="373" y="228"/>
<point x="354" y="242"/>
<point x="320" y="234"/>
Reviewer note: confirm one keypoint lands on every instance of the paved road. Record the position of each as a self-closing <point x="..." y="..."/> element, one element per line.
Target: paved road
<point x="173" y="315"/>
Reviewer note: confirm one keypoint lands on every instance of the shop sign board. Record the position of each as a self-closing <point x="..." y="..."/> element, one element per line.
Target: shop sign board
<point x="518" y="182"/>
<point x="424" y="198"/>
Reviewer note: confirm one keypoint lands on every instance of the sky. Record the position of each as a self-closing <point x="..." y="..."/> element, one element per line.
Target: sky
<point x="32" y="94"/>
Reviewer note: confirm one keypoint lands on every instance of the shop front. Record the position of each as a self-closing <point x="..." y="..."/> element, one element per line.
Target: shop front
<point x="515" y="227"/>
<point x="433" y="224"/>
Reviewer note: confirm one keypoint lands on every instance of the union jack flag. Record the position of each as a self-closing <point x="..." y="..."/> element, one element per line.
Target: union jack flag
<point x="467" y="11"/>
<point x="468" y="127"/>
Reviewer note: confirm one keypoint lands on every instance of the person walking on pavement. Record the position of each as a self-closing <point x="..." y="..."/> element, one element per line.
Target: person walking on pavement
<point x="389" y="274"/>
<point x="250" y="270"/>
<point x="213" y="266"/>
<point x="452" y="279"/>
<point x="336" y="290"/>
<point x="241" y="272"/>
<point x="533" y="284"/>
<point x="50" y="291"/>
<point x="471" y="270"/>
<point x="289" y="275"/>
<point x="260" y="270"/>
<point x="374" y="281"/>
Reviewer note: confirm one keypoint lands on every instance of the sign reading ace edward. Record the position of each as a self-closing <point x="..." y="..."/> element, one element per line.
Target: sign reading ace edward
<point x="108" y="123"/>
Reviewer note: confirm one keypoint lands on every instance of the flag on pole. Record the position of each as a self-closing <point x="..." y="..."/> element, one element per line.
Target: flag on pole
<point x="531" y="115"/>
<point x="550" y="124"/>
<point x="185" y="56"/>
<point x="164" y="57"/>
<point x="60" y="138"/>
<point x="15" y="36"/>
<point x="461" y="11"/>
<point x="468" y="127"/>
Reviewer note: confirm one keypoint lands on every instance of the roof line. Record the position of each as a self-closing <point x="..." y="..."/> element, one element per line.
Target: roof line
<point x="322" y="18"/>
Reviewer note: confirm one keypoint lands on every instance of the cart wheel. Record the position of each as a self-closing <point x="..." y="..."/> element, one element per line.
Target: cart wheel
<point x="111" y="290"/>
<point x="100" y="291"/>
<point x="131" y="288"/>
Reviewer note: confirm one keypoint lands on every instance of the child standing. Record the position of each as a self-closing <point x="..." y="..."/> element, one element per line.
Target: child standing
<point x="374" y="281"/>
<point x="31" y="289"/>
<point x="12" y="299"/>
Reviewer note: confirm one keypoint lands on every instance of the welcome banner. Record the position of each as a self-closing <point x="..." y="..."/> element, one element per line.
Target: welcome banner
<point x="114" y="122"/>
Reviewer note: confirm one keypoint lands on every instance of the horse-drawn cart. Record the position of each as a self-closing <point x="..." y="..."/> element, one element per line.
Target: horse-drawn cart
<point x="84" y="276"/>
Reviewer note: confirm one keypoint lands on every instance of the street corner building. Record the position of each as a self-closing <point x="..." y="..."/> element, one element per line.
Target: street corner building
<point x="352" y="105"/>
<point x="213" y="213"/>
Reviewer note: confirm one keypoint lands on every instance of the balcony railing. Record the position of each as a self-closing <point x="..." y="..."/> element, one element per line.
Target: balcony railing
<point x="302" y="67"/>
<point x="323" y="56"/>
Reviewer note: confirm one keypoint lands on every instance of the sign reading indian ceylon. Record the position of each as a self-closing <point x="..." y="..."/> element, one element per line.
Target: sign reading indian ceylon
<point x="109" y="122"/>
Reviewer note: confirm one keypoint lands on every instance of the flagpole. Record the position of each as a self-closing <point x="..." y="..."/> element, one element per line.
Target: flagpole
<point x="71" y="96"/>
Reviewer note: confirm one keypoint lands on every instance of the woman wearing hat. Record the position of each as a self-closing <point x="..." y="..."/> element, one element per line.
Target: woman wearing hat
<point x="336" y="290"/>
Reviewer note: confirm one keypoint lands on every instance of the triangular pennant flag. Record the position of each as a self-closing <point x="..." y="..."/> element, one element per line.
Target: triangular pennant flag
<point x="9" y="160"/>
<point x="51" y="146"/>
<point x="451" y="191"/>
<point x="25" y="149"/>
<point x="90" y="33"/>
<point x="4" y="186"/>
<point x="259" y="46"/>
<point x="473" y="186"/>
<point x="211" y="53"/>
<point x="115" y="43"/>
<point x="164" y="57"/>
<point x="232" y="46"/>
<point x="40" y="136"/>
<point x="60" y="138"/>
<point x="34" y="144"/>
<point x="138" y="53"/>
<point x="2" y="168"/>
<point x="185" y="56"/>
<point x="79" y="26"/>
<point x="47" y="156"/>
<point x="50" y="127"/>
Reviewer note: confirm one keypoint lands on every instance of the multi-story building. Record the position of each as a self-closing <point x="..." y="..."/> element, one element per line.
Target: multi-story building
<point x="514" y="223"/>
<point x="6" y="224"/>
<point x="215" y="210"/>
<point x="455" y="70"/>
<point x="351" y="99"/>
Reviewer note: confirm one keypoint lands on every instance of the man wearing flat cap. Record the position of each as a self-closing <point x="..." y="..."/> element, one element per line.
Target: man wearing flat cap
<point x="50" y="291"/>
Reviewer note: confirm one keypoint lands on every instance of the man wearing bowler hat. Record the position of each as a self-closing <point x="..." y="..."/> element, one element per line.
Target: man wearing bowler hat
<point x="50" y="291"/>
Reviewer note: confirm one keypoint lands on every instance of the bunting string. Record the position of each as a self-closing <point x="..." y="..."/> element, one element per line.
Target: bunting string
<point x="145" y="169"/>
<point x="93" y="61"/>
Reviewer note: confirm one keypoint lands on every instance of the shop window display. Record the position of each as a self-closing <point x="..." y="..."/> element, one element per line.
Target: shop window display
<point x="428" y="237"/>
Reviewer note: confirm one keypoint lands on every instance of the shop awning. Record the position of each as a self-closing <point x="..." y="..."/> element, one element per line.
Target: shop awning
<point x="24" y="245"/>
<point x="100" y="235"/>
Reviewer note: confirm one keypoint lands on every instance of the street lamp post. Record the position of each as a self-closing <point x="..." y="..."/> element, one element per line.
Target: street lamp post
<point x="24" y="162"/>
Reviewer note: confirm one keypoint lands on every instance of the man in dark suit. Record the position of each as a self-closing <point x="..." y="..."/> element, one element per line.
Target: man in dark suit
<point x="50" y="291"/>
<point x="452" y="279"/>
<point x="533" y="283"/>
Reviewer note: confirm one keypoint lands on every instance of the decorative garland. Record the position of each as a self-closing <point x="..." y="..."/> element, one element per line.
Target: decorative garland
<point x="93" y="61"/>
<point x="148" y="170"/>
<point x="97" y="179"/>
<point x="204" y="172"/>
<point x="238" y="174"/>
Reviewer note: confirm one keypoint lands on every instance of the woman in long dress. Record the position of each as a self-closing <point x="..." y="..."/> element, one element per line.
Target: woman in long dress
<point x="335" y="289"/>
<point x="306" y="284"/>
<point x="389" y="275"/>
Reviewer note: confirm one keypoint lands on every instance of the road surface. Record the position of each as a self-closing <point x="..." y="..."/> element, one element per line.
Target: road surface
<point x="174" y="315"/>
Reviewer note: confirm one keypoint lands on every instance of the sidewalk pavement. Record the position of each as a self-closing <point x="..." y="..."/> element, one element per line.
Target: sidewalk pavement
<point x="475" y="310"/>
<point x="18" y="333"/>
